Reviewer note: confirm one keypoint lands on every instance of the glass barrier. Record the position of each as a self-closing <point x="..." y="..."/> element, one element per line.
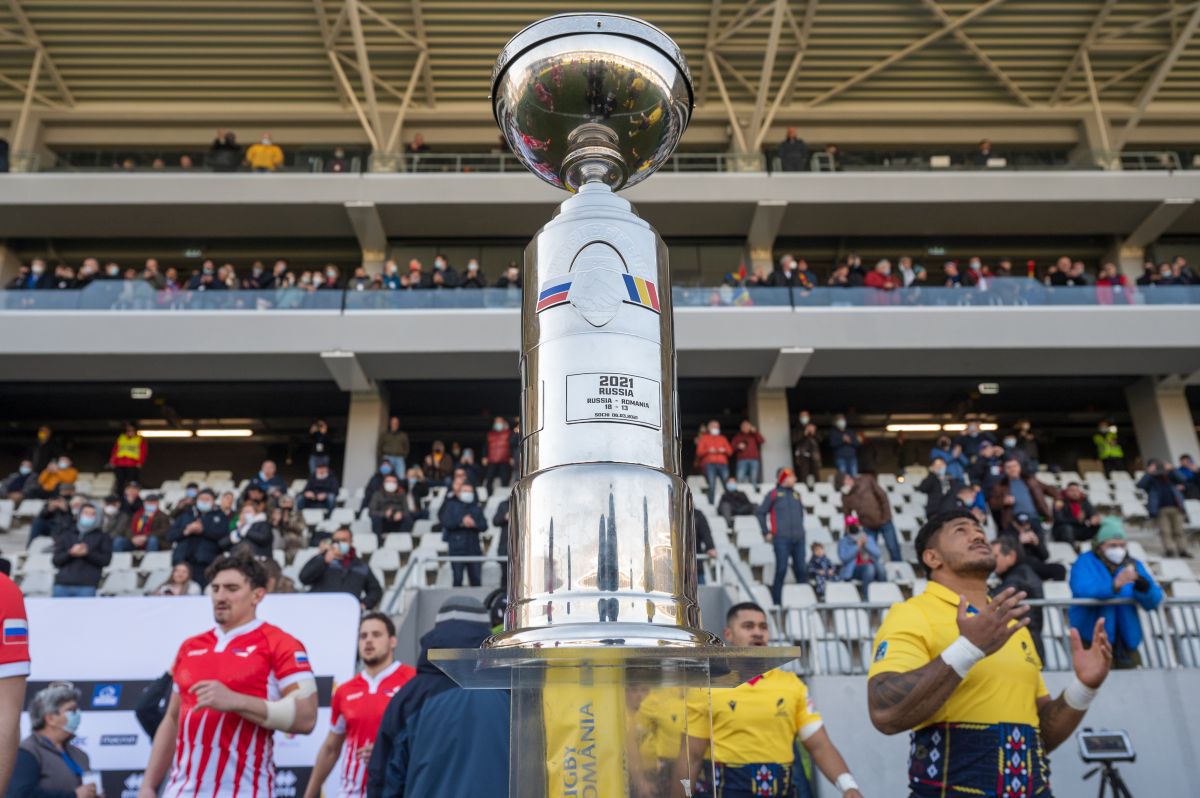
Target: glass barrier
<point x="120" y="295"/>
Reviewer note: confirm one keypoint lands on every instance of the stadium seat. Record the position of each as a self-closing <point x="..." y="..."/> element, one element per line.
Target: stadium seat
<point x="342" y="515"/>
<point x="899" y="572"/>
<point x="1061" y="552"/>
<point x="387" y="560"/>
<point x="365" y="544"/>
<point x="7" y="510"/>
<point x="399" y="541"/>
<point x="41" y="545"/>
<point x="884" y="593"/>
<point x="313" y="516"/>
<point x="39" y="561"/>
<point x="918" y="586"/>
<point x="121" y="561"/>
<point x="1192" y="506"/>
<point x="155" y="579"/>
<point x="303" y="556"/>
<point x="29" y="508"/>
<point x="155" y="561"/>
<point x="37" y="583"/>
<point x="1172" y="570"/>
<point x="1056" y="590"/>
<point x="1185" y="588"/>
<point x="198" y="477"/>
<point x="297" y="486"/>
<point x="120" y="583"/>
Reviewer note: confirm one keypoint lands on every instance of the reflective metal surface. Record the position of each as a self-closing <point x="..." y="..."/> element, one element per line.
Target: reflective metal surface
<point x="591" y="96"/>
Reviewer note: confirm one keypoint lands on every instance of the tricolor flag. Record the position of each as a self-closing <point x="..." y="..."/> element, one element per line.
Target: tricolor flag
<point x="16" y="631"/>
<point x="301" y="658"/>
<point x="555" y="293"/>
<point x="641" y="292"/>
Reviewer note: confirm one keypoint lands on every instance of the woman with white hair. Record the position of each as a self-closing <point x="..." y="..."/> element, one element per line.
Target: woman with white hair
<point x="48" y="766"/>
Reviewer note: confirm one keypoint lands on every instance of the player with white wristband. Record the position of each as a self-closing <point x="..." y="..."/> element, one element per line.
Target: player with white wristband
<point x="960" y="670"/>
<point x="235" y="685"/>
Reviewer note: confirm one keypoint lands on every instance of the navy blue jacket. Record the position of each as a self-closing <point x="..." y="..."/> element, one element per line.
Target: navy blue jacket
<point x="436" y="739"/>
<point x="843" y="443"/>
<point x="453" y="512"/>
<point x="1161" y="491"/>
<point x="199" y="550"/>
<point x="786" y="513"/>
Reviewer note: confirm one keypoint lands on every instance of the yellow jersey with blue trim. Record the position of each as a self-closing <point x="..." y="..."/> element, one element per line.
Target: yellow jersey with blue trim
<point x="1003" y="687"/>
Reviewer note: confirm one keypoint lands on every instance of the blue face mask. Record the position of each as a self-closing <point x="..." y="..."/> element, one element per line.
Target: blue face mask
<point x="87" y="521"/>
<point x="343" y="548"/>
<point x="386" y="468"/>
<point x="191" y="493"/>
<point x="73" y="719"/>
<point x="204" y="507"/>
<point x="25" y="470"/>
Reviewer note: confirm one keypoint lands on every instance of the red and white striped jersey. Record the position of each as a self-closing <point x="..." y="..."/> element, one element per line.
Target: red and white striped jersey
<point x="14" y="631"/>
<point x="221" y="754"/>
<point x="358" y="707"/>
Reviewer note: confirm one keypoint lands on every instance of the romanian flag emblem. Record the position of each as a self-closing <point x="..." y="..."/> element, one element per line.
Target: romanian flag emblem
<point x="553" y="294"/>
<point x="641" y="292"/>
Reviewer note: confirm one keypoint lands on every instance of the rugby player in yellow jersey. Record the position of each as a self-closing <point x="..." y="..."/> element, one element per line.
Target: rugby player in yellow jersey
<point x="962" y="673"/>
<point x="752" y="728"/>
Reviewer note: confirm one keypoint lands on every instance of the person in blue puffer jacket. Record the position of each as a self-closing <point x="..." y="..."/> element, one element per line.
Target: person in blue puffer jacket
<point x="1108" y="572"/>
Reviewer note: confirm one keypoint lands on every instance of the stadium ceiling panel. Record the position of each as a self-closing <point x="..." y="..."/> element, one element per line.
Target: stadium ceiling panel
<point x="757" y="61"/>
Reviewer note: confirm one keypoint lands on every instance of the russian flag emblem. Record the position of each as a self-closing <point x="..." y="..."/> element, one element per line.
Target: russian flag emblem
<point x="641" y="292"/>
<point x="301" y="658"/>
<point x="554" y="293"/>
<point x="16" y="631"/>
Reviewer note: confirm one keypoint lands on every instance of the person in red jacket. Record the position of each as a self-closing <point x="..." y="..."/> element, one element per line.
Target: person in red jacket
<point x="499" y="460"/>
<point x="128" y="456"/>
<point x="747" y="446"/>
<point x="713" y="451"/>
<point x="881" y="277"/>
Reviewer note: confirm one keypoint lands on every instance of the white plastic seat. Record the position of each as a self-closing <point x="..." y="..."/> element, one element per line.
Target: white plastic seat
<point x="1185" y="588"/>
<point x="365" y="544"/>
<point x="155" y="561"/>
<point x="120" y="583"/>
<point x="7" y="510"/>
<point x="121" y="561"/>
<point x="386" y="559"/>
<point x="37" y="583"/>
<point x="155" y="579"/>
<point x="1056" y="590"/>
<point x="918" y="586"/>
<point x="1061" y="552"/>
<point x="38" y="561"/>
<point x="313" y="516"/>
<point x="41" y="545"/>
<point x="1172" y="570"/>
<point x="29" y="508"/>
<point x="884" y="592"/>
<point x="220" y="476"/>
<point x="342" y="515"/>
<point x="193" y="476"/>
<point x="899" y="572"/>
<point x="303" y="556"/>
<point x="398" y="541"/>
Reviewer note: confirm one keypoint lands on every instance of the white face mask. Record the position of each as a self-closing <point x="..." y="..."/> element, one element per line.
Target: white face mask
<point x="840" y="423"/>
<point x="714" y="430"/>
<point x="804" y="420"/>
<point x="390" y="487"/>
<point x="1115" y="554"/>
<point x="466" y="496"/>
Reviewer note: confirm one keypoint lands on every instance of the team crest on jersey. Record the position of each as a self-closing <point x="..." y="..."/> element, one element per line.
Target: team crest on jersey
<point x="780" y="709"/>
<point x="16" y="631"/>
<point x="243" y="652"/>
<point x="732" y="705"/>
<point x="881" y="651"/>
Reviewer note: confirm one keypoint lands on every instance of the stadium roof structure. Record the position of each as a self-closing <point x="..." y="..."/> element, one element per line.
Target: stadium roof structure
<point x="1108" y="71"/>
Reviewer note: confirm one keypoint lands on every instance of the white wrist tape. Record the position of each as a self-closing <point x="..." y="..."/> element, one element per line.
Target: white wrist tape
<point x="845" y="783"/>
<point x="281" y="714"/>
<point x="1078" y="695"/>
<point x="962" y="655"/>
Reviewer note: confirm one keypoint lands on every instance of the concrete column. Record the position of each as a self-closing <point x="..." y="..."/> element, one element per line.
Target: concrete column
<point x="1162" y="419"/>
<point x="365" y="421"/>
<point x="1129" y="259"/>
<point x="769" y="412"/>
<point x="10" y="265"/>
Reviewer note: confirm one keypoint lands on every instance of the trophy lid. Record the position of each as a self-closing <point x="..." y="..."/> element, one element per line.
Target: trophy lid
<point x="592" y="97"/>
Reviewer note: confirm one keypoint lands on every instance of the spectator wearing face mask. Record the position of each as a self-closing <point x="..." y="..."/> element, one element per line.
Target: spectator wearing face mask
<point x="252" y="532"/>
<point x="862" y="497"/>
<point x="320" y="491"/>
<point x="21" y="483"/>
<point x="499" y="461"/>
<point x="781" y="519"/>
<point x="112" y="521"/>
<point x="47" y="764"/>
<point x="462" y="520"/>
<point x="713" y="451"/>
<point x="81" y="553"/>
<point x="394" y="446"/>
<point x="881" y="276"/>
<point x="844" y="443"/>
<point x="1108" y="448"/>
<point x="265" y="156"/>
<point x="375" y="483"/>
<point x="439" y="465"/>
<point x="734" y="502"/>
<point x="146" y="530"/>
<point x="267" y="479"/>
<point x="988" y="467"/>
<point x="389" y="508"/>
<point x="1189" y="477"/>
<point x="1075" y="519"/>
<point x="1164" y="503"/>
<point x="56" y="473"/>
<point x="910" y="274"/>
<point x="860" y="556"/>
<point x="1108" y="572"/>
<point x="54" y="517"/>
<point x="339" y="163"/>
<point x="747" y="445"/>
<point x="940" y="489"/>
<point x="190" y="492"/>
<point x="808" y="452"/>
<point x="972" y="439"/>
<point x="952" y="456"/>
<point x="288" y="524"/>
<point x="473" y="278"/>
<point x="339" y="569"/>
<point x="511" y="277"/>
<point x="197" y="533"/>
<point x="444" y="276"/>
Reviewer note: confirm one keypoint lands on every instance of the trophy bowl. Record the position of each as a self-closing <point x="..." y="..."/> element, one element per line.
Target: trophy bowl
<point x="590" y="96"/>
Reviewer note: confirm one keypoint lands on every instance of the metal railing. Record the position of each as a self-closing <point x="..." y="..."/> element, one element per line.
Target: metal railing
<point x="838" y="638"/>
<point x="416" y="560"/>
<point x="137" y="295"/>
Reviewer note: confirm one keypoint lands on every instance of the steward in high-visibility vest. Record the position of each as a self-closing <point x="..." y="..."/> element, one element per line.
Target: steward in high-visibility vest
<point x="128" y="456"/>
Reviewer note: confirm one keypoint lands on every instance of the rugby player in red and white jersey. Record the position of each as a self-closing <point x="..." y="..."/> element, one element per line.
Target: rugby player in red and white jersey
<point x="235" y="685"/>
<point x="14" y="668"/>
<point x="358" y="707"/>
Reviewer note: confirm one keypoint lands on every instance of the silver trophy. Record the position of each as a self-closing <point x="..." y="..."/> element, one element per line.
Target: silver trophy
<point x="603" y="546"/>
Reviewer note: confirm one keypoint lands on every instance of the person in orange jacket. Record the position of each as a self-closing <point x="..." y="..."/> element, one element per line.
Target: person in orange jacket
<point x="713" y="451"/>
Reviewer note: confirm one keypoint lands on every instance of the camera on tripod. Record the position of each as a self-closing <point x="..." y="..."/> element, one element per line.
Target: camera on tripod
<point x="1106" y="748"/>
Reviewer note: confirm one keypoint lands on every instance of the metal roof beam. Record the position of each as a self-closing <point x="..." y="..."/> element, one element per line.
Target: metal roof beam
<point x="1089" y="39"/>
<point x="392" y="145"/>
<point x="328" y="36"/>
<point x="364" y="67"/>
<point x="738" y="136"/>
<point x="31" y="35"/>
<point x="35" y="71"/>
<point x="1117" y="78"/>
<point x="768" y="69"/>
<point x="354" y="103"/>
<point x="903" y="53"/>
<point x="714" y="17"/>
<point x="1146" y="96"/>
<point x="1149" y="22"/>
<point x="418" y="13"/>
<point x="977" y="51"/>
